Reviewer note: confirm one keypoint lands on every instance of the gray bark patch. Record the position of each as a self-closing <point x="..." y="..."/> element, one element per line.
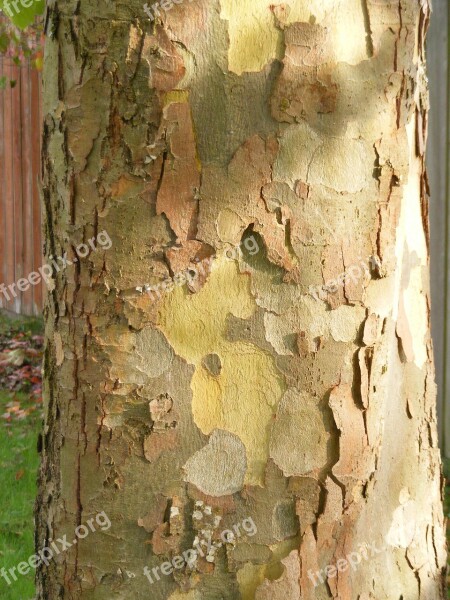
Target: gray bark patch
<point x="298" y="439"/>
<point x="219" y="468"/>
<point x="212" y="364"/>
<point x="155" y="353"/>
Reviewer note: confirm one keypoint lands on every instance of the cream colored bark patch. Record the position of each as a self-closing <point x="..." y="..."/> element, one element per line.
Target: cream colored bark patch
<point x="243" y="396"/>
<point x="297" y="147"/>
<point x="403" y="526"/>
<point x="411" y="252"/>
<point x="343" y="164"/>
<point x="298" y="440"/>
<point x="229" y="225"/>
<point x="379" y="296"/>
<point x="345" y="322"/>
<point x="412" y="319"/>
<point x="219" y="468"/>
<point x="345" y="20"/>
<point x="59" y="350"/>
<point x="411" y="216"/>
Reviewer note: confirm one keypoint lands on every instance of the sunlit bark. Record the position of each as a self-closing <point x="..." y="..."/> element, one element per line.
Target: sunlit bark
<point x="253" y="351"/>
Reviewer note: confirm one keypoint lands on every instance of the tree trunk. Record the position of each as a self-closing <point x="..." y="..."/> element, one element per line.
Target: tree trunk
<point x="242" y="383"/>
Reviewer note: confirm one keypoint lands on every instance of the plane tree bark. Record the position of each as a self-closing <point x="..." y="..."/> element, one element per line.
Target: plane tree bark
<point x="252" y="354"/>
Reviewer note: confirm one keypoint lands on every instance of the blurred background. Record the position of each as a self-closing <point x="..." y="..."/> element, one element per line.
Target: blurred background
<point x="438" y="165"/>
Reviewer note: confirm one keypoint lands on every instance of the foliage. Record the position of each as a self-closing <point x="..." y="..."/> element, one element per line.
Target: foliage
<point x="20" y="366"/>
<point x="21" y="46"/>
<point x="20" y="15"/>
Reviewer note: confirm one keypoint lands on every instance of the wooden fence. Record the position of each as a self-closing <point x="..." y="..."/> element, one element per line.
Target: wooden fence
<point x="20" y="213"/>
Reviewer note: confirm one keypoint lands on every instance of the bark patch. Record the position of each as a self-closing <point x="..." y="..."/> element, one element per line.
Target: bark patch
<point x="219" y="468"/>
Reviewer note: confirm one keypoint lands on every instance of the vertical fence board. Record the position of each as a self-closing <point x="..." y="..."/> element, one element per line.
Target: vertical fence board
<point x="17" y="186"/>
<point x="9" y="257"/>
<point x="20" y="218"/>
<point x="36" y="120"/>
<point x="27" y="198"/>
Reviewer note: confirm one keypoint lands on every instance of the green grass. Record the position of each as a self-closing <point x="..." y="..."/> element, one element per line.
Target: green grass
<point x="18" y="469"/>
<point x="10" y="325"/>
<point x="19" y="462"/>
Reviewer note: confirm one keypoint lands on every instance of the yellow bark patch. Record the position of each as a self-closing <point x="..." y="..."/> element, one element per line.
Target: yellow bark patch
<point x="192" y="595"/>
<point x="287" y="586"/>
<point x="242" y="398"/>
<point x="250" y="576"/>
<point x="176" y="96"/>
<point x="255" y="39"/>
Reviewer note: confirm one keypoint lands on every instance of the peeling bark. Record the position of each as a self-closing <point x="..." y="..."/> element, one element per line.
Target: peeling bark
<point x="239" y="155"/>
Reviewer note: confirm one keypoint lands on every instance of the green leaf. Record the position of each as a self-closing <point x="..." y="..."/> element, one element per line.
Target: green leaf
<point x="3" y="83"/>
<point x="4" y="42"/>
<point x="22" y="12"/>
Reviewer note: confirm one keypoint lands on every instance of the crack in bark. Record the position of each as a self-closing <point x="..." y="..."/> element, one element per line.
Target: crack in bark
<point x="369" y="40"/>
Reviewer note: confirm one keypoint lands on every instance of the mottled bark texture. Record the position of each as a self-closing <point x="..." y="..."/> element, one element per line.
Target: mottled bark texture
<point x="299" y="128"/>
